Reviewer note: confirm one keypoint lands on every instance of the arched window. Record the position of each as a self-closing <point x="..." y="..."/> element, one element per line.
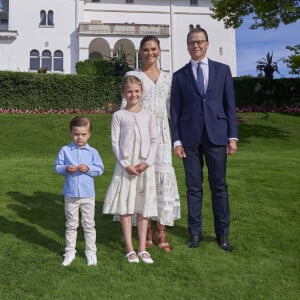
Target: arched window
<point x="191" y="27"/>
<point x="198" y="26"/>
<point x="50" y="18"/>
<point x="34" y="63"/>
<point x="46" y="60"/>
<point x="43" y="18"/>
<point x="58" y="61"/>
<point x="95" y="55"/>
<point x="46" y="19"/>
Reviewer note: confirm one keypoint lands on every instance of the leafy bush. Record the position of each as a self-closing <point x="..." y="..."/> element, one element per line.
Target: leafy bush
<point x="95" y="67"/>
<point x="33" y="91"/>
<point x="55" y="91"/>
<point x="115" y="66"/>
<point x="267" y="92"/>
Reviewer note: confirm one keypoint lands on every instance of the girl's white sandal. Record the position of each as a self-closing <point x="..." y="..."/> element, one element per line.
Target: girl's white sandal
<point x="132" y="260"/>
<point x="147" y="260"/>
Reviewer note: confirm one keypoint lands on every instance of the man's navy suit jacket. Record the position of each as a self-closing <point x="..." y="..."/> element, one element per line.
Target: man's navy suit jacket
<point x="215" y="109"/>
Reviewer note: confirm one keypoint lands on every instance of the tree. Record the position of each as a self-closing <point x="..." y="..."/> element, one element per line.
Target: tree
<point x="267" y="14"/>
<point x="293" y="61"/>
<point x="267" y="65"/>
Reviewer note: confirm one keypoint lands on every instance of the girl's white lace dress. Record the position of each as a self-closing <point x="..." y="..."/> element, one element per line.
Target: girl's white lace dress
<point x="156" y="98"/>
<point x="128" y="194"/>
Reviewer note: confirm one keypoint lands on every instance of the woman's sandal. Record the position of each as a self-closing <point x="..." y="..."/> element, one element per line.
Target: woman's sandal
<point x="161" y="239"/>
<point x="133" y="259"/>
<point x="147" y="259"/>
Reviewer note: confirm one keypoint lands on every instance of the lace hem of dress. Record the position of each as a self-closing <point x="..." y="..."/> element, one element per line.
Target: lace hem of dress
<point x="168" y="202"/>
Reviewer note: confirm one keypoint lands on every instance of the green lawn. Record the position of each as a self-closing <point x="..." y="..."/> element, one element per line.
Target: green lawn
<point x="263" y="180"/>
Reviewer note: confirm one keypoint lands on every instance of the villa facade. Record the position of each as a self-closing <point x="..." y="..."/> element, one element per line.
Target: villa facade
<point x="56" y="34"/>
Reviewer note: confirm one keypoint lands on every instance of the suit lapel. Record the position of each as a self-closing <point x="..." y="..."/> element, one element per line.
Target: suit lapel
<point x="211" y="73"/>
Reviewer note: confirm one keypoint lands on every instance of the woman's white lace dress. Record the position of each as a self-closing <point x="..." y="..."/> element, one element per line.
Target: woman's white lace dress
<point x="156" y="99"/>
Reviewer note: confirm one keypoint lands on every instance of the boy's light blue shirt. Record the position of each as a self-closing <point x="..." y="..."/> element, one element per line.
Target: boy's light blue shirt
<point x="79" y="184"/>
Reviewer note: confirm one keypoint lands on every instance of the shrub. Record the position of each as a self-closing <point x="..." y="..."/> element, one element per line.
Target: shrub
<point x="34" y="91"/>
<point x="267" y="92"/>
<point x="95" y="67"/>
<point x="55" y="91"/>
<point x="115" y="66"/>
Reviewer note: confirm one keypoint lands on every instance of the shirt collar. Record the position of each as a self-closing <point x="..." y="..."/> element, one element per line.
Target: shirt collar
<point x="73" y="146"/>
<point x="204" y="61"/>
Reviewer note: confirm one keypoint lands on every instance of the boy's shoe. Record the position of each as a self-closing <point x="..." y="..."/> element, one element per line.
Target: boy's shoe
<point x="91" y="260"/>
<point x="68" y="259"/>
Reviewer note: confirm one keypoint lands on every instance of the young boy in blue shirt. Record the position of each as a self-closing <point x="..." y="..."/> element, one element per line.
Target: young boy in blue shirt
<point x="79" y="163"/>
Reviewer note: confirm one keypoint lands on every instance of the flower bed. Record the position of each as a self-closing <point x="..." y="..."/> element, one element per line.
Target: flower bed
<point x="53" y="111"/>
<point x="102" y="111"/>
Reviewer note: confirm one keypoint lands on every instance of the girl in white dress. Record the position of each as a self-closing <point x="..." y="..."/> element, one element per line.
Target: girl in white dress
<point x="156" y="97"/>
<point x="133" y="188"/>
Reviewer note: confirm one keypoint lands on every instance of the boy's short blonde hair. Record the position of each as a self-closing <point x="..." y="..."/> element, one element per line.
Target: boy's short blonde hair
<point x="80" y="121"/>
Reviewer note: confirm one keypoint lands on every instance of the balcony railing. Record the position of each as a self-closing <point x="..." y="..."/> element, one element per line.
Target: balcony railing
<point x="8" y="34"/>
<point x="96" y="27"/>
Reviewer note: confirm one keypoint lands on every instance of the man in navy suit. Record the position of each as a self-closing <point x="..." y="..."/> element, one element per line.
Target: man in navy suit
<point x="204" y="125"/>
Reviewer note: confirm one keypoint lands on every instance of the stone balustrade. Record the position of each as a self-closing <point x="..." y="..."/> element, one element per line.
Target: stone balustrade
<point x="96" y="27"/>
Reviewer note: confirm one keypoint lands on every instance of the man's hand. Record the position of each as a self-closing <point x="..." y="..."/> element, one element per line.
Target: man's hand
<point x="179" y="151"/>
<point x="232" y="147"/>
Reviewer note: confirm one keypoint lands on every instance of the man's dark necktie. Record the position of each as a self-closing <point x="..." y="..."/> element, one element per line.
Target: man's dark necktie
<point x="200" y="79"/>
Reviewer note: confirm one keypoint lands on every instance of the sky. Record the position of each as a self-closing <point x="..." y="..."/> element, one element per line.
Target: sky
<point x="253" y="45"/>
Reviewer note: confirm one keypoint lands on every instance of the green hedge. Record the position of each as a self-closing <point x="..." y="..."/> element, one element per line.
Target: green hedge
<point x="267" y="92"/>
<point x="95" y="67"/>
<point x="55" y="91"/>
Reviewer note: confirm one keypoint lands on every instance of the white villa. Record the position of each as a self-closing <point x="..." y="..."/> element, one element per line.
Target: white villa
<point x="58" y="33"/>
